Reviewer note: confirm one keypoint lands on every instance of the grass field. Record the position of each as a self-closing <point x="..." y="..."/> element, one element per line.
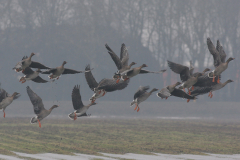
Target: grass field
<point x="90" y="136"/>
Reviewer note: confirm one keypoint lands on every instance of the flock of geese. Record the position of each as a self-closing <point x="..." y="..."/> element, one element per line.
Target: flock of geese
<point x="197" y="83"/>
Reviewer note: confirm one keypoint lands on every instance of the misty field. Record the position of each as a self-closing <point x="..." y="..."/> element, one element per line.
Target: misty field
<point x="93" y="135"/>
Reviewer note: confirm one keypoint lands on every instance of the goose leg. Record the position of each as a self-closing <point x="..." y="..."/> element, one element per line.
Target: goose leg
<point x="39" y="123"/>
<point x="23" y="81"/>
<point x="192" y="88"/>
<point x="138" y="109"/>
<point x="99" y="92"/>
<point x="184" y="90"/>
<point x="209" y="94"/>
<point x="104" y="93"/>
<point x="75" y="116"/>
<point x="218" y="81"/>
<point x="93" y="100"/>
<point x="213" y="80"/>
<point x="57" y="77"/>
<point x="188" y="100"/>
<point x="4" y="114"/>
<point x="117" y="80"/>
<point x="166" y="98"/>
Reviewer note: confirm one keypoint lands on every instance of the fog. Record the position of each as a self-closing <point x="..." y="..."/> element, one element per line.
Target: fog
<point x="153" y="31"/>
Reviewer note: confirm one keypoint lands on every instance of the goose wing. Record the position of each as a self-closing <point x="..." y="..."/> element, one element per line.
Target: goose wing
<point x="38" y="65"/>
<point x="142" y="71"/>
<point x="204" y="81"/>
<point x="179" y="93"/>
<point x="141" y="90"/>
<point x="214" y="52"/>
<point x="200" y="90"/>
<point x="76" y="98"/>
<point x="28" y="71"/>
<point x="36" y="101"/>
<point x="38" y="79"/>
<point x="114" y="57"/>
<point x="110" y="85"/>
<point x="3" y="94"/>
<point x="71" y="71"/>
<point x="180" y="69"/>
<point x="91" y="81"/>
<point x="221" y="52"/>
<point x="124" y="56"/>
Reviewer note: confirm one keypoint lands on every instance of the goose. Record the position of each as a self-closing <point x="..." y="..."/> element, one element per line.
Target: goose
<point x="38" y="107"/>
<point x="209" y="89"/>
<point x="80" y="109"/>
<point x="122" y="62"/>
<point x="27" y="62"/>
<point x="171" y="90"/>
<point x="32" y="75"/>
<point x="56" y="72"/>
<point x="6" y="99"/>
<point x="104" y="86"/>
<point x="135" y="71"/>
<point x="141" y="95"/>
<point x="219" y="57"/>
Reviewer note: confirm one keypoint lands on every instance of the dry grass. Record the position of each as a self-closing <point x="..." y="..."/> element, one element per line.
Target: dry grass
<point x="90" y="136"/>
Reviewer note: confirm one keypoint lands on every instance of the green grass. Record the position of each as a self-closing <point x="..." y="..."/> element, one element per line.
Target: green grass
<point x="143" y="136"/>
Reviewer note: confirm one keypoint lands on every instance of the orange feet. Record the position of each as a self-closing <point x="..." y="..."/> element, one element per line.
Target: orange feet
<point x="57" y="78"/>
<point x="104" y="93"/>
<point x="188" y="100"/>
<point x="39" y="123"/>
<point x="93" y="100"/>
<point x="4" y="114"/>
<point x="218" y="81"/>
<point x="75" y="116"/>
<point x="166" y="98"/>
<point x="126" y="79"/>
<point x="99" y="92"/>
<point x="136" y="107"/>
<point x="192" y="88"/>
<point x="210" y="94"/>
<point x="117" y="80"/>
<point x="184" y="90"/>
<point x="213" y="80"/>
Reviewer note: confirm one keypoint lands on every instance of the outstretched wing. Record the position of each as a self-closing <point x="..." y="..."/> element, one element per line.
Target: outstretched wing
<point x="28" y="71"/>
<point x="110" y="85"/>
<point x="214" y="53"/>
<point x="180" y="69"/>
<point x="141" y="90"/>
<point x="91" y="81"/>
<point x="36" y="101"/>
<point x="38" y="65"/>
<point x="3" y="94"/>
<point x="201" y="90"/>
<point x="38" y="79"/>
<point x="115" y="58"/>
<point x="142" y="71"/>
<point x="76" y="98"/>
<point x="124" y="56"/>
<point x="179" y="93"/>
<point x="221" y="52"/>
<point x="71" y="71"/>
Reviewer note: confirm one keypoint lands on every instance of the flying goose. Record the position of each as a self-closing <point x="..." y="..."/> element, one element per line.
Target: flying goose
<point x="135" y="71"/>
<point x="38" y="107"/>
<point x="6" y="99"/>
<point x="56" y="72"/>
<point x="141" y="95"/>
<point x="122" y="62"/>
<point x="104" y="86"/>
<point x="27" y="62"/>
<point x="219" y="57"/>
<point x="209" y="89"/>
<point x="80" y="109"/>
<point x="32" y="75"/>
<point x="171" y="90"/>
